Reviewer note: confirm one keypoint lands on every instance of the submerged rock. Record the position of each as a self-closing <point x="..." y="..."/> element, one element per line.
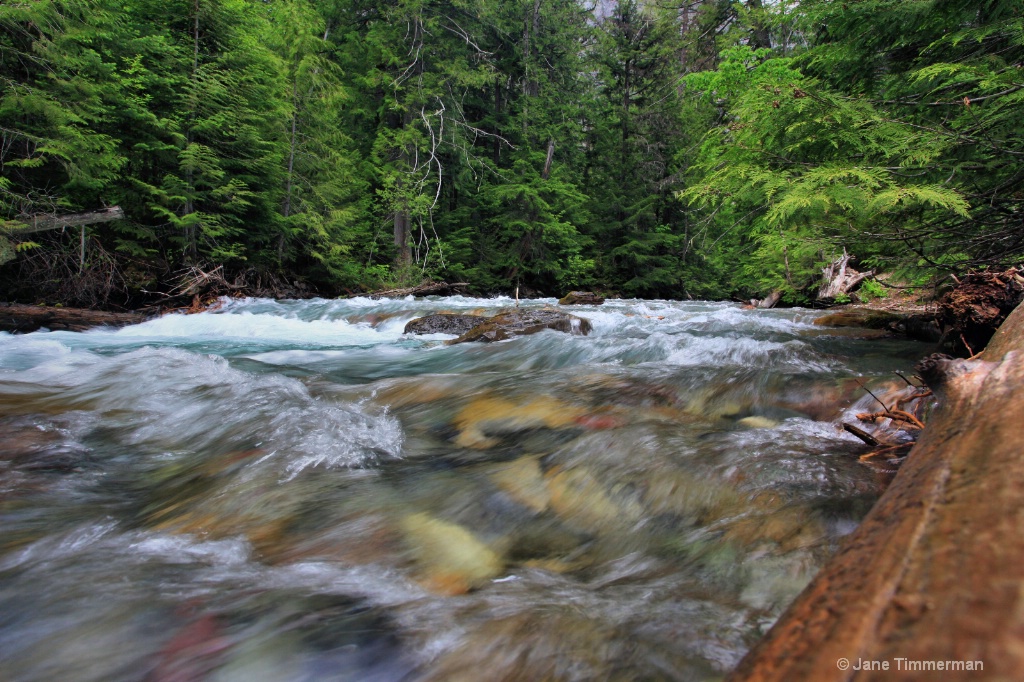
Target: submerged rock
<point x="443" y="323"/>
<point x="522" y="322"/>
<point x="758" y="422"/>
<point x="581" y="298"/>
<point x="451" y="560"/>
<point x="485" y="419"/>
<point x="523" y="481"/>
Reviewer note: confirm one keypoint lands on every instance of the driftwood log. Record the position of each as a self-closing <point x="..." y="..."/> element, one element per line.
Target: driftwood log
<point x="935" y="573"/>
<point x="15" y="317"/>
<point x="838" y="277"/>
<point x="41" y="223"/>
<point x="425" y="289"/>
<point x="771" y="300"/>
<point x="44" y="222"/>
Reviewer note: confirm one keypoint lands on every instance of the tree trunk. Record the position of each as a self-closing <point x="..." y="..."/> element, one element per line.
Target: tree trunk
<point x="547" y="163"/>
<point x="403" y="230"/>
<point x="934" y="572"/>
<point x="191" y="246"/>
<point x="760" y="36"/>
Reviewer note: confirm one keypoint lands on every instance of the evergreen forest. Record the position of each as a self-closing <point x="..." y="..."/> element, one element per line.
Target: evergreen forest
<point x="645" y="148"/>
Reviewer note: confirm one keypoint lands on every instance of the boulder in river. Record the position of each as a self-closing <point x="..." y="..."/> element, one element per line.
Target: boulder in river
<point x="521" y="322"/>
<point x="581" y="298"/>
<point x="443" y="323"/>
<point x="516" y="322"/>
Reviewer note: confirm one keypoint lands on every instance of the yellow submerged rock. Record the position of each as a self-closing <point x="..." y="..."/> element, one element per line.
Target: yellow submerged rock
<point x="450" y="559"/>
<point x="758" y="423"/>
<point x="581" y="499"/>
<point x="523" y="481"/>
<point x="488" y="414"/>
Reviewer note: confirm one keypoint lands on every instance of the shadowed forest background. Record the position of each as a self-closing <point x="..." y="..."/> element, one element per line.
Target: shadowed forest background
<point x="701" y="149"/>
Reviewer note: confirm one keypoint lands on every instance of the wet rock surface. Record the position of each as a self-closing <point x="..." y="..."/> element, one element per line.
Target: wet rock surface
<point x="443" y="323"/>
<point x="867" y="318"/>
<point x="505" y="325"/>
<point x="925" y="326"/>
<point x="522" y="322"/>
<point x="16" y="317"/>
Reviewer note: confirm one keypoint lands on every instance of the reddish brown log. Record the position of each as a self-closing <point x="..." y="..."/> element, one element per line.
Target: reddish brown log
<point x="15" y="317"/>
<point x="936" y="570"/>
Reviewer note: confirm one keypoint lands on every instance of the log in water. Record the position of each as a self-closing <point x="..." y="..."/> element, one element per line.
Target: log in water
<point x="298" y="490"/>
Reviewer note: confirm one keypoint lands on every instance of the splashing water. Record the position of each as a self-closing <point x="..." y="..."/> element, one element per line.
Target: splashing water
<point x="296" y="490"/>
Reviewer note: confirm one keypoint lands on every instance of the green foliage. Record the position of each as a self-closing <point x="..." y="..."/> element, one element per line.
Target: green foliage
<point x="722" y="148"/>
<point x="871" y="289"/>
<point x="885" y="137"/>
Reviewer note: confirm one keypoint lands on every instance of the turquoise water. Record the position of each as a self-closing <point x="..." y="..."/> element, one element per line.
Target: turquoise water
<point x="296" y="490"/>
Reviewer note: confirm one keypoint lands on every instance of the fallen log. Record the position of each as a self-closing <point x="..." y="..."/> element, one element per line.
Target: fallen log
<point x="771" y="300"/>
<point x="934" y="572"/>
<point x="425" y="289"/>
<point x="15" y="317"/>
<point x="41" y="223"/>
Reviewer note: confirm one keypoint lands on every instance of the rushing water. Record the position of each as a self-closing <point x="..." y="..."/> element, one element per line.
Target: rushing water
<point x="297" y="491"/>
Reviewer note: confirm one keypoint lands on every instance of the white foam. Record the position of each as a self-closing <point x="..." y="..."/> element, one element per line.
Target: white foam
<point x="260" y="327"/>
<point x="169" y="399"/>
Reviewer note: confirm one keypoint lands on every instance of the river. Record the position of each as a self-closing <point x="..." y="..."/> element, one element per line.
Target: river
<point x="296" y="490"/>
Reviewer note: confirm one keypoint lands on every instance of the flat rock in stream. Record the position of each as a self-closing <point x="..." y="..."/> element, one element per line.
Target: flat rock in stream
<point x="522" y="322"/>
<point x="443" y="323"/>
<point x="517" y="322"/>
<point x="917" y="326"/>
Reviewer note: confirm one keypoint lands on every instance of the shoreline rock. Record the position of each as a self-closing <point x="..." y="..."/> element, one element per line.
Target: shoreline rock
<point x="918" y="326"/>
